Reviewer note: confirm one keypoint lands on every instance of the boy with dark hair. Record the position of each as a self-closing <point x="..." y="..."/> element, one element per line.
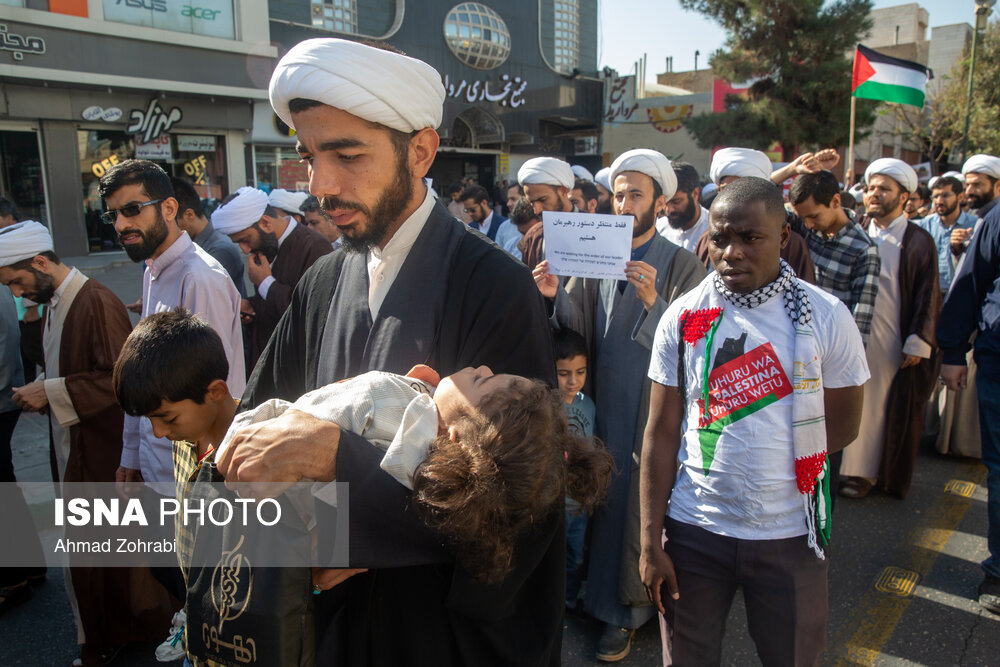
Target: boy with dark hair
<point x="191" y="219"/>
<point x="571" y="370"/>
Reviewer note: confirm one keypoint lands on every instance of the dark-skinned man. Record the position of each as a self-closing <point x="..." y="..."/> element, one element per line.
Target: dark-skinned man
<point x="618" y="319"/>
<point x="392" y="297"/>
<point x="900" y="346"/>
<point x="750" y="350"/>
<point x="279" y="251"/>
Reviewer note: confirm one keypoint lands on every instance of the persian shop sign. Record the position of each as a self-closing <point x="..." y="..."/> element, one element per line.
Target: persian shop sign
<point x="18" y="45"/>
<point x="508" y="92"/>
<point x="210" y="18"/>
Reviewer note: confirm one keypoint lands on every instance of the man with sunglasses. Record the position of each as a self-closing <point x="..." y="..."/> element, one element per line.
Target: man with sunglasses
<point x="140" y="204"/>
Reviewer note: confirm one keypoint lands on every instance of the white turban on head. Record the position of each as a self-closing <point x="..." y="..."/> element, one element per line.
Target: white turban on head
<point x="546" y="171"/>
<point x="741" y="162"/>
<point x="241" y="212"/>
<point x="982" y="164"/>
<point x="285" y="200"/>
<point x="23" y="240"/>
<point x="857" y="191"/>
<point x="582" y="173"/>
<point x="379" y="86"/>
<point x="895" y="169"/>
<point x="652" y="163"/>
<point x="603" y="178"/>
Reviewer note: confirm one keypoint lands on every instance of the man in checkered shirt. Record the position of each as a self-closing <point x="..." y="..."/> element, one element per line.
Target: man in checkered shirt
<point x="846" y="259"/>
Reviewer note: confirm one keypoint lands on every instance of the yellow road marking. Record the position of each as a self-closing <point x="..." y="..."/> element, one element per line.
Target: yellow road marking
<point x="896" y="581"/>
<point x="878" y="613"/>
<point x="960" y="488"/>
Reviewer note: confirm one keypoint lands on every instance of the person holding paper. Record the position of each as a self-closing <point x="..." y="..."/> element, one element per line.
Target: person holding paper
<point x="618" y="319"/>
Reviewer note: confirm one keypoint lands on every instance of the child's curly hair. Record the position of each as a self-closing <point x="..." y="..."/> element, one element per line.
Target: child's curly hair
<point x="513" y="460"/>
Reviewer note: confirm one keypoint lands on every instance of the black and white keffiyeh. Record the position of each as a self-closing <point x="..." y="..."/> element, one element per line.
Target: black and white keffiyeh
<point x="787" y="284"/>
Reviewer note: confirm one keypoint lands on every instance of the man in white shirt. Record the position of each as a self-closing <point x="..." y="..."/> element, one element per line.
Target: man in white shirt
<point x="476" y="201"/>
<point x="751" y="350"/>
<point x="139" y="200"/>
<point x="686" y="219"/>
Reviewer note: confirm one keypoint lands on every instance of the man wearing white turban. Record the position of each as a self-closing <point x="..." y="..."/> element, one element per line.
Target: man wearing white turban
<point x="287" y="203"/>
<point x="140" y="204"/>
<point x="410" y="285"/>
<point x="602" y="179"/>
<point x="982" y="184"/>
<point x="85" y="328"/>
<point x="900" y="349"/>
<point x="547" y="183"/>
<point x="618" y="319"/>
<point x="732" y="163"/>
<point x="279" y="250"/>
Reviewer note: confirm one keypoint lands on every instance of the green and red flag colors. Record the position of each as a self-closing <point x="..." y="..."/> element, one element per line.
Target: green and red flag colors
<point x="882" y="77"/>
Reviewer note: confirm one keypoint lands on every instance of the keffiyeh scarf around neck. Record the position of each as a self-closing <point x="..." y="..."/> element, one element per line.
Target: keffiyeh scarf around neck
<point x="808" y="416"/>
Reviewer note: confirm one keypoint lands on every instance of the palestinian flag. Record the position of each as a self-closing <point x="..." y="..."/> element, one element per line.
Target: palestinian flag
<point x="881" y="77"/>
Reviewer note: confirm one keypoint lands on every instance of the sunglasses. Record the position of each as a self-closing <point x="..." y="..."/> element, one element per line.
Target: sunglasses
<point x="129" y="211"/>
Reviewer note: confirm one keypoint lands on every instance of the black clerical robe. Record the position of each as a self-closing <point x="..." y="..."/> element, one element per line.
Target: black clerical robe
<point x="458" y="301"/>
<point x="297" y="253"/>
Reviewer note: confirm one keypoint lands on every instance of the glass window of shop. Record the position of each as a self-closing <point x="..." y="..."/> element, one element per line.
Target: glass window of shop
<point x="280" y="167"/>
<point x="199" y="158"/>
<point x="21" y="178"/>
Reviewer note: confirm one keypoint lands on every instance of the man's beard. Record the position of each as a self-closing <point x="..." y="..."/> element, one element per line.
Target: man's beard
<point x="886" y="206"/>
<point x="685" y="217"/>
<point x="644" y="222"/>
<point x="151" y="239"/>
<point x="389" y="206"/>
<point x="267" y="244"/>
<point x="948" y="211"/>
<point x="45" y="286"/>
<point x="604" y="208"/>
<point x="979" y="201"/>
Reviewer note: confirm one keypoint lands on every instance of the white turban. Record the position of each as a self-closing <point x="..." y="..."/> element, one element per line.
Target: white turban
<point x="241" y="212"/>
<point x="739" y="162"/>
<point x="603" y="178"/>
<point x="857" y="191"/>
<point x="982" y="164"/>
<point x="652" y="163"/>
<point x="379" y="86"/>
<point x="23" y="240"/>
<point x="582" y="173"/>
<point x="546" y="171"/>
<point x="895" y="169"/>
<point x="953" y="174"/>
<point x="285" y="200"/>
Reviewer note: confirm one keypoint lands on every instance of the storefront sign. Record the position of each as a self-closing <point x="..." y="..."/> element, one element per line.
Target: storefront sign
<point x="18" y="45"/>
<point x="157" y="149"/>
<point x="109" y="115"/>
<point x="211" y="18"/>
<point x="195" y="143"/>
<point x="152" y="122"/>
<point x="101" y="168"/>
<point x="508" y="92"/>
<point x="196" y="169"/>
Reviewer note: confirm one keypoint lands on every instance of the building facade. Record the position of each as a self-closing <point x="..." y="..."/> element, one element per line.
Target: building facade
<point x="520" y="78"/>
<point x="88" y="83"/>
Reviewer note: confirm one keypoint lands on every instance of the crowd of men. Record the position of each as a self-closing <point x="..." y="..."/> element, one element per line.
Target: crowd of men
<point x="757" y="359"/>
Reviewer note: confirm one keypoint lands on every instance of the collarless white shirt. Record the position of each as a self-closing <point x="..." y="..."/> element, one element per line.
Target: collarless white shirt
<point x="685" y="238"/>
<point x="384" y="263"/>
<point x="485" y="225"/>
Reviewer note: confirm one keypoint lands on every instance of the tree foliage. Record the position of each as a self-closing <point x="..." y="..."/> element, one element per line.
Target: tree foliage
<point x="938" y="128"/>
<point x="799" y="53"/>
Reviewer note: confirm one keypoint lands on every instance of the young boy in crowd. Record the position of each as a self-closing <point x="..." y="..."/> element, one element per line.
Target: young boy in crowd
<point x="484" y="454"/>
<point x="571" y="370"/>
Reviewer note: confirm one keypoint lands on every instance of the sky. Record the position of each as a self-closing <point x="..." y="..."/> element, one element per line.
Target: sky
<point x="660" y="28"/>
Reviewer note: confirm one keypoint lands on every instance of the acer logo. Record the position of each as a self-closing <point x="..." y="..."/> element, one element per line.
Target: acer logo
<point x="154" y="5"/>
<point x="200" y="12"/>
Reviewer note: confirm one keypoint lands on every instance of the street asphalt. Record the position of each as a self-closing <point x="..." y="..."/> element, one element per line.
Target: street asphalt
<point x="903" y="573"/>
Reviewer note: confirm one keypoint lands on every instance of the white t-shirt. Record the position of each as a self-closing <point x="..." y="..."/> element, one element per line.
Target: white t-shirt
<point x="749" y="491"/>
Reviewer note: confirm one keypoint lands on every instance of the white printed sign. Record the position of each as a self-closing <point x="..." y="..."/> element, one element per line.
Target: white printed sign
<point x="587" y="245"/>
<point x="157" y="149"/>
<point x="212" y="18"/>
<point x="198" y="143"/>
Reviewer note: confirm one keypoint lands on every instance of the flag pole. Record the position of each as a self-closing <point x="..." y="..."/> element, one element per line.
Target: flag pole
<point x="849" y="167"/>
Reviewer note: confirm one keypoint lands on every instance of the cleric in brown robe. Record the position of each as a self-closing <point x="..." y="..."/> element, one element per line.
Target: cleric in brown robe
<point x="112" y="606"/>
<point x="279" y="249"/>
<point x="901" y="345"/>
